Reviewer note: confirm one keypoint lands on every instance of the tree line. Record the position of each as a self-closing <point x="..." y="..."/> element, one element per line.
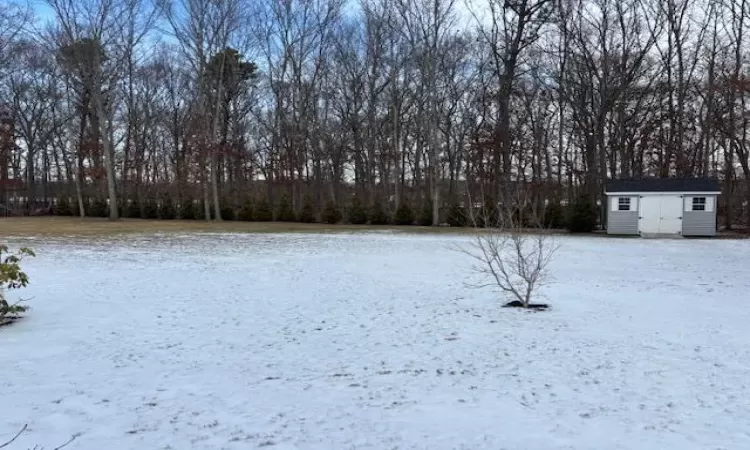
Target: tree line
<point x="425" y="105"/>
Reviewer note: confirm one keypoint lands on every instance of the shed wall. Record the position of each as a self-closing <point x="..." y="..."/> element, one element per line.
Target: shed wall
<point x="621" y="222"/>
<point x="699" y="223"/>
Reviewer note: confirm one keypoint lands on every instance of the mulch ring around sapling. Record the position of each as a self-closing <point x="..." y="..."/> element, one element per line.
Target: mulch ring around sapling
<point x="532" y="306"/>
<point x="9" y="320"/>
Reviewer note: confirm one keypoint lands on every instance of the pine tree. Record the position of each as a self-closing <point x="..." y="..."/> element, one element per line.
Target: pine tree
<point x="457" y="216"/>
<point x="132" y="210"/>
<point x="187" y="210"/>
<point x="262" y="211"/>
<point x="227" y="213"/>
<point x="582" y="215"/>
<point x="307" y="214"/>
<point x="404" y="215"/>
<point x="425" y="215"/>
<point x="554" y="216"/>
<point x="489" y="216"/>
<point x="356" y="213"/>
<point x="331" y="213"/>
<point x="63" y="207"/>
<point x="246" y="212"/>
<point x="98" y="208"/>
<point x="167" y="210"/>
<point x="378" y="216"/>
<point x="150" y="210"/>
<point x="285" y="213"/>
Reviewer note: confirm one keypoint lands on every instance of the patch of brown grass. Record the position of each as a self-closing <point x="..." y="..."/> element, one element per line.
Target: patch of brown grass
<point x="67" y="226"/>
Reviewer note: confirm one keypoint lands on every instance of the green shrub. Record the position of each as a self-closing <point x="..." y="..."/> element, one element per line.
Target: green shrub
<point x="425" y="214"/>
<point x="404" y="215"/>
<point x="150" y="210"/>
<point x="245" y="213"/>
<point x="331" y="213"/>
<point x="188" y="210"/>
<point x="307" y="214"/>
<point x="488" y="216"/>
<point x="285" y="213"/>
<point x="11" y="277"/>
<point x="98" y="208"/>
<point x="457" y="216"/>
<point x="63" y="207"/>
<point x="554" y="216"/>
<point x="356" y="213"/>
<point x="582" y="215"/>
<point x="132" y="210"/>
<point x="524" y="217"/>
<point x="262" y="211"/>
<point x="378" y="215"/>
<point x="167" y="210"/>
<point x="227" y="213"/>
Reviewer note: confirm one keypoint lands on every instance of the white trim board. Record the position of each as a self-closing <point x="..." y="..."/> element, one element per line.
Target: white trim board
<point x="629" y="194"/>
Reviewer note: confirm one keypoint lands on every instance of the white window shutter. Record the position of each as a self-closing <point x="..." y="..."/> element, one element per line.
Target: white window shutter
<point x="614" y="203"/>
<point x="710" y="203"/>
<point x="634" y="203"/>
<point x="688" y="203"/>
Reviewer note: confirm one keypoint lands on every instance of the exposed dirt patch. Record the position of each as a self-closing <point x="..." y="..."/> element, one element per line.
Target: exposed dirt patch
<point x="532" y="306"/>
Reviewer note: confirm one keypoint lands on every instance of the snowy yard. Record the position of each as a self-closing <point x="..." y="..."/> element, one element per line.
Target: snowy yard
<point x="352" y="341"/>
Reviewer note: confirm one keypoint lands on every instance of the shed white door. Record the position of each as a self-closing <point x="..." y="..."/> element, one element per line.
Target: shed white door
<point x="671" y="214"/>
<point x="660" y="214"/>
<point x="649" y="214"/>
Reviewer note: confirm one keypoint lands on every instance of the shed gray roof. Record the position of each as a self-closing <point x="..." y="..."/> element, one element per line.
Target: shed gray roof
<point x="664" y="185"/>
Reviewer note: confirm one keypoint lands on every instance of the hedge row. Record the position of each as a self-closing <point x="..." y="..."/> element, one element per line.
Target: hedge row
<point x="580" y="216"/>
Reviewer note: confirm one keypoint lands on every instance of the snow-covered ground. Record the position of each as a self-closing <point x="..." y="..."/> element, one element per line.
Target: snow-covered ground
<point x="373" y="341"/>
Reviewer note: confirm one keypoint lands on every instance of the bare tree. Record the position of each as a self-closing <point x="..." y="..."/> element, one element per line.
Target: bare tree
<point x="97" y="38"/>
<point x="429" y="25"/>
<point x="509" y="258"/>
<point x="390" y="101"/>
<point x="514" y="26"/>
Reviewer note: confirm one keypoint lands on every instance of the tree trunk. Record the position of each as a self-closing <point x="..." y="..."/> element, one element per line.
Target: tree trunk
<point x="109" y="165"/>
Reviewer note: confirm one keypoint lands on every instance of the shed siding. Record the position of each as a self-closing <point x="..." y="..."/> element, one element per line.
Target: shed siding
<point x="621" y="222"/>
<point x="700" y="223"/>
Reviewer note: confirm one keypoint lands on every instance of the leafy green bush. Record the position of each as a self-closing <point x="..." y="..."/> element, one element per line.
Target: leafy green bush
<point x="307" y="214"/>
<point x="331" y="213"/>
<point x="554" y="216"/>
<point x="404" y="215"/>
<point x="457" y="216"/>
<point x="378" y="215"/>
<point x="150" y="210"/>
<point x="98" y="208"/>
<point x="11" y="277"/>
<point x="262" y="211"/>
<point x="524" y="217"/>
<point x="425" y="214"/>
<point x="188" y="210"/>
<point x="245" y="213"/>
<point x="285" y="213"/>
<point x="132" y="210"/>
<point x="227" y="213"/>
<point x="63" y="207"/>
<point x="167" y="210"/>
<point x="356" y="213"/>
<point x="582" y="215"/>
<point x="488" y="216"/>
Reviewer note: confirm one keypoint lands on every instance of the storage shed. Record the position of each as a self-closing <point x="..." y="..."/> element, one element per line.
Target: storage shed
<point x="662" y="206"/>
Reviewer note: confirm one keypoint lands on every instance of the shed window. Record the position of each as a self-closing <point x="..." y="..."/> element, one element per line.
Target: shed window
<point x="623" y="204"/>
<point x="699" y="203"/>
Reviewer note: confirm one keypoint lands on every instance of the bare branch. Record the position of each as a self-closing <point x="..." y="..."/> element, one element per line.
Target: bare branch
<point x="72" y="438"/>
<point x="515" y="260"/>
<point x="15" y="437"/>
